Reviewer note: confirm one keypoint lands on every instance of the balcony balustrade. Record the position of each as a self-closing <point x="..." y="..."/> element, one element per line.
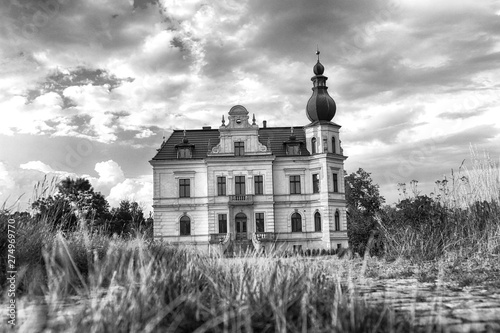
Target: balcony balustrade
<point x="218" y="238"/>
<point x="265" y="236"/>
<point x="245" y="199"/>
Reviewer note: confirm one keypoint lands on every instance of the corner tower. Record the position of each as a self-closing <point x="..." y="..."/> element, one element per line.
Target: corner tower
<point x="324" y="145"/>
<point x="322" y="134"/>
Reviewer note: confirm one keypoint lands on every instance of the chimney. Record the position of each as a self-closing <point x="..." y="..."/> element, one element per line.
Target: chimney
<point x="207" y="127"/>
<point x="264" y="123"/>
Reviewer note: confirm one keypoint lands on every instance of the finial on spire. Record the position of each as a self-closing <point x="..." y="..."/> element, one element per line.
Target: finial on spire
<point x="253" y="119"/>
<point x="223" y="121"/>
<point x="318" y="69"/>
<point x="184" y="139"/>
<point x="292" y="137"/>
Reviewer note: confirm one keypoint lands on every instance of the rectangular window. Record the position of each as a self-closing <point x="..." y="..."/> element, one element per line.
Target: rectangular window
<point x="239" y="148"/>
<point x="335" y="183"/>
<point x="292" y="149"/>
<point x="184" y="188"/>
<point x="239" y="185"/>
<point x="259" y="222"/>
<point x="294" y="184"/>
<point x="184" y="153"/>
<point x="259" y="184"/>
<point x="315" y="183"/>
<point x="221" y="186"/>
<point x="222" y="223"/>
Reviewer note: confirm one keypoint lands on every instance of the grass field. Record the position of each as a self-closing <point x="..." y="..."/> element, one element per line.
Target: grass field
<point x="83" y="282"/>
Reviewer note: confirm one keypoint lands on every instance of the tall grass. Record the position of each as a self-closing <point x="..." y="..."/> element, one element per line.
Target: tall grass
<point x="113" y="285"/>
<point x="82" y="281"/>
<point x="478" y="183"/>
<point x="462" y="219"/>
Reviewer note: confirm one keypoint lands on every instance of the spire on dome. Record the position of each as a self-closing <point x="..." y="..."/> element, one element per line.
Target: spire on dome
<point x="318" y="69"/>
<point x="320" y="107"/>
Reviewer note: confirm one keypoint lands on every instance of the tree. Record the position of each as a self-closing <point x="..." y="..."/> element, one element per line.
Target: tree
<point x="74" y="201"/>
<point x="361" y="194"/>
<point x="128" y="219"/>
<point x="68" y="186"/>
<point x="363" y="202"/>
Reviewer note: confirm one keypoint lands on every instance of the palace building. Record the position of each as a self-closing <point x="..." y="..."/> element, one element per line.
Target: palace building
<point x="244" y="185"/>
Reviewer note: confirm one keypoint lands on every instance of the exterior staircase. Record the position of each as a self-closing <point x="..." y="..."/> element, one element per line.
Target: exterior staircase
<point x="223" y="245"/>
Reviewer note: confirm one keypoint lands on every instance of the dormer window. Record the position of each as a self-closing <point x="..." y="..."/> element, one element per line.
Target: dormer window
<point x="184" y="149"/>
<point x="293" y="149"/>
<point x="292" y="145"/>
<point x="184" y="153"/>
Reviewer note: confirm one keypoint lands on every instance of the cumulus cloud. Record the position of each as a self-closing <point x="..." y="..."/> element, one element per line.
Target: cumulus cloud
<point x="110" y="173"/>
<point x="118" y="73"/>
<point x="38" y="166"/>
<point x="144" y="134"/>
<point x="139" y="190"/>
<point x="6" y="181"/>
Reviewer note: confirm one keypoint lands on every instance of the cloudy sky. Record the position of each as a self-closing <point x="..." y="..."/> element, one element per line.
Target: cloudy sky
<point x="88" y="88"/>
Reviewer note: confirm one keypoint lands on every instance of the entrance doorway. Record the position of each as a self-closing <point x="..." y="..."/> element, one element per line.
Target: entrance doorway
<point x="241" y="226"/>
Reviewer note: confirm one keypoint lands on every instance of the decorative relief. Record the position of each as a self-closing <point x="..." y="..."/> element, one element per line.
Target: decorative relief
<point x="216" y="149"/>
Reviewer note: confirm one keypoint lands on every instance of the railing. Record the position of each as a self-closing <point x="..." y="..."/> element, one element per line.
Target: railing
<point x="219" y="238"/>
<point x="265" y="236"/>
<point x="241" y="199"/>
<point x="241" y="236"/>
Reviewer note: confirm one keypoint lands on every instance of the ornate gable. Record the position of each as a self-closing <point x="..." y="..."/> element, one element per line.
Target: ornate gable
<point x="239" y="137"/>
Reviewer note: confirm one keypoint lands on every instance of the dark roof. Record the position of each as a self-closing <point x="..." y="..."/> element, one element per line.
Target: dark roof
<point x="278" y="135"/>
<point x="200" y="139"/>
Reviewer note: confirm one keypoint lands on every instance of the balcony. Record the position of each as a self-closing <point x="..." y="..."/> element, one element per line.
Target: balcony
<point x="218" y="238"/>
<point x="241" y="199"/>
<point x="265" y="236"/>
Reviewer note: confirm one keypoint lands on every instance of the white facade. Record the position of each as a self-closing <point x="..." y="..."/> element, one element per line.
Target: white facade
<point x="292" y="195"/>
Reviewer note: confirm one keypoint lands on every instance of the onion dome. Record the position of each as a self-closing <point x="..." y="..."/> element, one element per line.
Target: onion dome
<point x="320" y="107"/>
<point x="318" y="69"/>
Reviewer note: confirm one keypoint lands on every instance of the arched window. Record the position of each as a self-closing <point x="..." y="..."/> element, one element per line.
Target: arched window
<point x="337" y="221"/>
<point x="185" y="224"/>
<point x="317" y="221"/>
<point x="296" y="222"/>
<point x="313" y="146"/>
<point x="334" y="147"/>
